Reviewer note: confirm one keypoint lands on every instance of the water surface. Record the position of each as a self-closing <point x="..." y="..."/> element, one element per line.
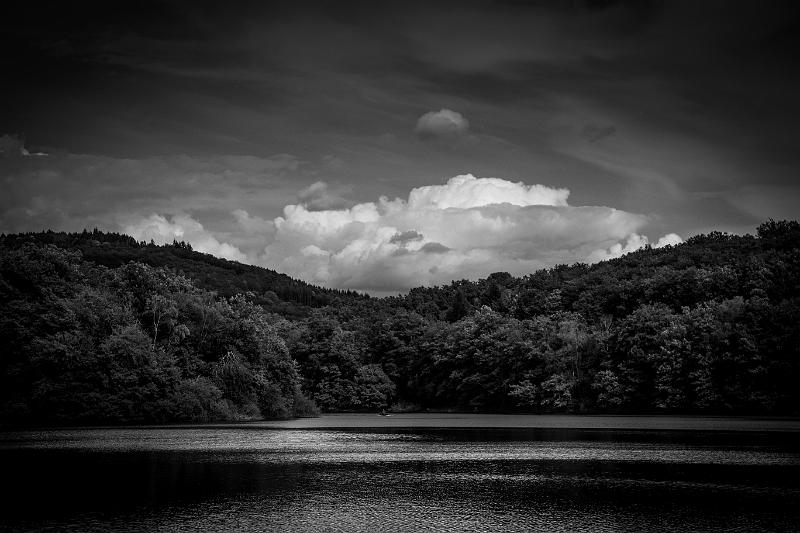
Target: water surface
<point x="408" y="473"/>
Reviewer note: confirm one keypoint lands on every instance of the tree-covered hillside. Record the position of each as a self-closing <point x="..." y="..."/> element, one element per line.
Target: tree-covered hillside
<point x="84" y="343"/>
<point x="272" y="290"/>
<point x="133" y="332"/>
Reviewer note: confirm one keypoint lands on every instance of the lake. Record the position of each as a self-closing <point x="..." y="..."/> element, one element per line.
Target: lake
<point x="426" y="472"/>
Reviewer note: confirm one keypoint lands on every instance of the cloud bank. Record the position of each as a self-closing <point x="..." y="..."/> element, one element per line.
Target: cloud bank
<point x="466" y="228"/>
<point x="65" y="191"/>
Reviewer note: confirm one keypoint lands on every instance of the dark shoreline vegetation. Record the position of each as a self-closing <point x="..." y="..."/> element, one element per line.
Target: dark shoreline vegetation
<point x="99" y="329"/>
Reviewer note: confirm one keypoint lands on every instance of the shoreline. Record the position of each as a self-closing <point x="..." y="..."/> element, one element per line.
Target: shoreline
<point x="471" y="421"/>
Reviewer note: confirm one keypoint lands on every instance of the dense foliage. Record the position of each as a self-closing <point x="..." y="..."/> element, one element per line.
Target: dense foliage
<point x="711" y="325"/>
<point x="84" y="343"/>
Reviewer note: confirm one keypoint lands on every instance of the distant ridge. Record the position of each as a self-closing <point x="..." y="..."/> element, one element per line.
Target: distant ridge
<point x="272" y="290"/>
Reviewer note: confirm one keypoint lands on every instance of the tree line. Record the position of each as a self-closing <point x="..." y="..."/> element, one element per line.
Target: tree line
<point x="710" y="325"/>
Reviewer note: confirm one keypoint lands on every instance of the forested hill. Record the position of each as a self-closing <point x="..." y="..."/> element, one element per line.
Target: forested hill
<point x="274" y="291"/>
<point x="707" y="267"/>
<point x="708" y="326"/>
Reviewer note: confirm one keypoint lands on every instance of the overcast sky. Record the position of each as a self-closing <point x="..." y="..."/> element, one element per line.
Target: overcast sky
<point x="379" y="146"/>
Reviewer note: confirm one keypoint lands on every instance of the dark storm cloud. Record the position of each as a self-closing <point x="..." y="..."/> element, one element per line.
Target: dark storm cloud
<point x="683" y="111"/>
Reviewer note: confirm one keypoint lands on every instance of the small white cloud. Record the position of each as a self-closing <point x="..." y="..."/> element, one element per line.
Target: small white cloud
<point x="181" y="227"/>
<point x="442" y="124"/>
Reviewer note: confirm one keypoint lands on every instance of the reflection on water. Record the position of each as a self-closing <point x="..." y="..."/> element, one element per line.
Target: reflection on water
<point x="246" y="479"/>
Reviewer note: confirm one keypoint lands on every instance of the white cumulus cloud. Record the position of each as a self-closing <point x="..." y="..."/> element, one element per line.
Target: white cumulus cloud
<point x="466" y="228"/>
<point x="468" y="191"/>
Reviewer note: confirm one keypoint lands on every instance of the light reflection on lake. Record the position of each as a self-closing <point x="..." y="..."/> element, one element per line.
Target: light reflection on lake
<point x="256" y="478"/>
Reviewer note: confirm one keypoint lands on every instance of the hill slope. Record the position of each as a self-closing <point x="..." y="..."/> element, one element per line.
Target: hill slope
<point x="274" y="291"/>
<point x="108" y="334"/>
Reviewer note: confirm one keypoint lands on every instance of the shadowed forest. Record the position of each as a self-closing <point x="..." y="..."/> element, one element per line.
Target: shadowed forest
<point x="98" y="328"/>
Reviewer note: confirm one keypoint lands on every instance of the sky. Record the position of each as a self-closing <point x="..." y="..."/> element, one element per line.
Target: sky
<point x="379" y="146"/>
